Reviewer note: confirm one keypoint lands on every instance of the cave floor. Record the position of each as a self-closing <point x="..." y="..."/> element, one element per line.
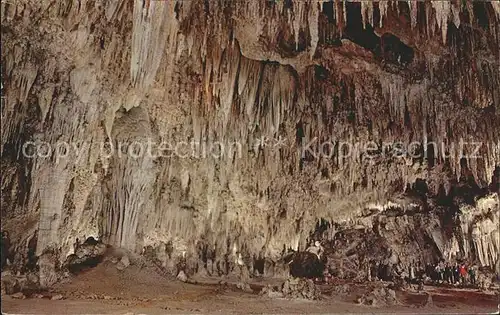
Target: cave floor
<point x="106" y="290"/>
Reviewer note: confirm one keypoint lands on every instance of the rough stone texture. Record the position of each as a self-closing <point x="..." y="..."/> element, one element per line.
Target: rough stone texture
<point x="182" y="276"/>
<point x="57" y="297"/>
<point x="304" y="264"/>
<point x="341" y="289"/>
<point x="95" y="72"/>
<point x="86" y="255"/>
<point x="18" y="295"/>
<point x="17" y="283"/>
<point x="379" y="296"/>
<point x="300" y="288"/>
<point x="9" y="283"/>
<point x="245" y="287"/>
<point x="271" y="292"/>
<point x="124" y="262"/>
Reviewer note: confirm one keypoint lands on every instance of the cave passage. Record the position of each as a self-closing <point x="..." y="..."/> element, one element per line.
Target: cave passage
<point x="387" y="47"/>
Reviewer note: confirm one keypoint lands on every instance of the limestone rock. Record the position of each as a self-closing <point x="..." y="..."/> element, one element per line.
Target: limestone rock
<point x="271" y="292"/>
<point x="300" y="288"/>
<point x="9" y="283"/>
<point x="342" y="289"/>
<point x="379" y="296"/>
<point x="18" y="295"/>
<point x="47" y="263"/>
<point x="181" y="276"/>
<point x="305" y="264"/>
<point x="245" y="287"/>
<point x="87" y="255"/>
<point x="123" y="263"/>
<point x="57" y="297"/>
<point x="32" y="279"/>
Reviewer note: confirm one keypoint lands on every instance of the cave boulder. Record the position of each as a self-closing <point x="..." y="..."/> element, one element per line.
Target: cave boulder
<point x="181" y="276"/>
<point x="271" y="292"/>
<point x="87" y="255"/>
<point x="123" y="263"/>
<point x="379" y="296"/>
<point x="244" y="286"/>
<point x="304" y="265"/>
<point x="296" y="288"/>
<point x="18" y="295"/>
<point x="10" y="284"/>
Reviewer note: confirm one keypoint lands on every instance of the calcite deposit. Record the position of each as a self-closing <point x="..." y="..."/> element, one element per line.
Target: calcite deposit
<point x="221" y="130"/>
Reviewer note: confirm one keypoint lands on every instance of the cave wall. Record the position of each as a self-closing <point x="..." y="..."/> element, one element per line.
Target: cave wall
<point x="263" y="79"/>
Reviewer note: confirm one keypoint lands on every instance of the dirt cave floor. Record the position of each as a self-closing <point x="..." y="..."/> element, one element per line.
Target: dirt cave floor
<point x="107" y="290"/>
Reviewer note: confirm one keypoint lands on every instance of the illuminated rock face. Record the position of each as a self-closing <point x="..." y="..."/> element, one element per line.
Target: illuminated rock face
<point x="270" y="115"/>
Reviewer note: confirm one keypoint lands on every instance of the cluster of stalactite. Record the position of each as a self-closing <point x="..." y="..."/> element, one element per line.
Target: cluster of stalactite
<point x="272" y="81"/>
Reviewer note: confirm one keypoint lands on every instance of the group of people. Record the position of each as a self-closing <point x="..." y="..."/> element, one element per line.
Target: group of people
<point x="441" y="272"/>
<point x="454" y="273"/>
<point x="391" y="269"/>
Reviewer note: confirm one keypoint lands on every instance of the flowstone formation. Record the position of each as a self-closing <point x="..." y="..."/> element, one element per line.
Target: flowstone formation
<point x="216" y="133"/>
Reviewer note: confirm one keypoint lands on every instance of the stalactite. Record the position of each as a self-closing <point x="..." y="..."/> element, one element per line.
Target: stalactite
<point x="240" y="80"/>
<point x="153" y="27"/>
<point x="496" y="7"/>
<point x="383" y="7"/>
<point x="298" y="13"/>
<point x="313" y="20"/>
<point x="481" y="224"/>
<point x="367" y="13"/>
<point x="413" y="6"/>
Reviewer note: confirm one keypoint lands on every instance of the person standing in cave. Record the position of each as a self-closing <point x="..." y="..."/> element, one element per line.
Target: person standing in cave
<point x="380" y="270"/>
<point x="442" y="270"/>
<point x="456" y="273"/>
<point x="447" y="273"/>
<point x="20" y="260"/>
<point x="437" y="273"/>
<point x="369" y="271"/>
<point x="411" y="273"/>
<point x="32" y="258"/>
<point x="316" y="249"/>
<point x="463" y="273"/>
<point x="76" y="245"/>
<point x="5" y="254"/>
<point x="374" y="266"/>
<point x="244" y="272"/>
<point x="472" y="275"/>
